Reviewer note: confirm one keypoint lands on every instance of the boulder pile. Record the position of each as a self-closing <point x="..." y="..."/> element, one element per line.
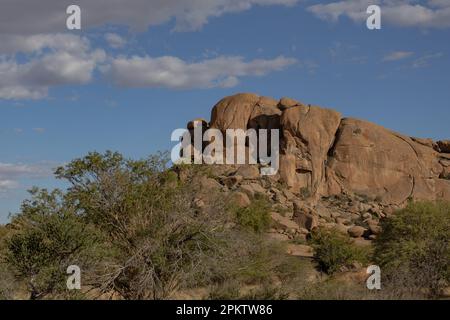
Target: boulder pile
<point x="339" y="172"/>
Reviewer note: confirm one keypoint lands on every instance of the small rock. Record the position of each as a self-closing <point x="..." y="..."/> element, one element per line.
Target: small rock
<point x="289" y="195"/>
<point x="257" y="188"/>
<point x="209" y="184"/>
<point x="363" y="207"/>
<point x="367" y="215"/>
<point x="356" y="231"/>
<point x="374" y="228"/>
<point x="284" y="222"/>
<point x="248" y="190"/>
<point x="300" y="250"/>
<point x="241" y="199"/>
<point x="303" y="231"/>
<point x="232" y="181"/>
<point x="248" y="172"/>
<point x="343" y="221"/>
<point x="335" y="214"/>
<point x="199" y="203"/>
<point x="342" y="228"/>
<point x="278" y="236"/>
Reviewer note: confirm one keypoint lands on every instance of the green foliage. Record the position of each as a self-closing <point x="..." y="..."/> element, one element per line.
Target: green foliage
<point x="45" y="239"/>
<point x="334" y="250"/>
<point x="136" y="231"/>
<point x="130" y="226"/>
<point x="255" y="217"/>
<point x="334" y="289"/>
<point x="229" y="290"/>
<point x="413" y="250"/>
<point x="266" y="292"/>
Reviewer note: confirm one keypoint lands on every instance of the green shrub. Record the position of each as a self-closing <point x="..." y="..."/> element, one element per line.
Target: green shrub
<point x="266" y="292"/>
<point x="127" y="224"/>
<point x="413" y="250"/>
<point x="228" y="290"/>
<point x="255" y="217"/>
<point x="44" y="240"/>
<point x="8" y="285"/>
<point x="334" y="289"/>
<point x="334" y="250"/>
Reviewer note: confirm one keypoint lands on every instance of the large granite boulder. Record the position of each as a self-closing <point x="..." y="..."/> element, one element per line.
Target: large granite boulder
<point x="323" y="154"/>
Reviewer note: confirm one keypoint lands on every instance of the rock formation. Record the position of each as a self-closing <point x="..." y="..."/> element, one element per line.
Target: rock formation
<point x="335" y="172"/>
<point x="323" y="154"/>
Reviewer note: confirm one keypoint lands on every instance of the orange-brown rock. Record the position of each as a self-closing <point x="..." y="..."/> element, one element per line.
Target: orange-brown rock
<point x="308" y="133"/>
<point x="371" y="160"/>
<point x="323" y="154"/>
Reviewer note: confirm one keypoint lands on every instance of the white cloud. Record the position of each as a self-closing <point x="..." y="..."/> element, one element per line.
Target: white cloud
<point x="397" y="55"/>
<point x="172" y="72"/>
<point x="65" y="59"/>
<point x="424" y="61"/>
<point x="8" y="185"/>
<point x="44" y="16"/>
<point x="52" y="60"/>
<point x="354" y="9"/>
<point x="115" y="41"/>
<point x="11" y="173"/>
<point x="404" y="13"/>
<point x="12" y="44"/>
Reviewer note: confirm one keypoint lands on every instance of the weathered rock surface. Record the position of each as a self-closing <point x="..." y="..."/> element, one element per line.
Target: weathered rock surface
<point x="334" y="172"/>
<point x="323" y="154"/>
<point x="371" y="160"/>
<point x="356" y="231"/>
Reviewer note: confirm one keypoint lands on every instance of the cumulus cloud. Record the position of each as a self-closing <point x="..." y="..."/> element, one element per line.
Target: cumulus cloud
<point x="51" y="57"/>
<point x="67" y="59"/>
<point x="397" y="55"/>
<point x="115" y="41"/>
<point x="404" y="13"/>
<point x="173" y="72"/>
<point x="52" y="60"/>
<point x="8" y="185"/>
<point x="12" y="44"/>
<point x="354" y="9"/>
<point x="11" y="173"/>
<point x="44" y="16"/>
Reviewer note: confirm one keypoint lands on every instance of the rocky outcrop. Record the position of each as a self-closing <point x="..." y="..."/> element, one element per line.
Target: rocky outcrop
<point x="323" y="154"/>
<point x="308" y="132"/>
<point x="340" y="173"/>
<point x="371" y="160"/>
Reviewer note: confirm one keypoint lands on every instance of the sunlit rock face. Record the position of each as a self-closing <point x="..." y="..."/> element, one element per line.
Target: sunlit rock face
<point x="323" y="154"/>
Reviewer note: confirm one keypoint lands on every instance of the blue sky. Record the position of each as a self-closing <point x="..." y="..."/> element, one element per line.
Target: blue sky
<point x="130" y="77"/>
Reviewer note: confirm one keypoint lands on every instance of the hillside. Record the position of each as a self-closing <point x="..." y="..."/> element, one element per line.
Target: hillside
<point x="348" y="194"/>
